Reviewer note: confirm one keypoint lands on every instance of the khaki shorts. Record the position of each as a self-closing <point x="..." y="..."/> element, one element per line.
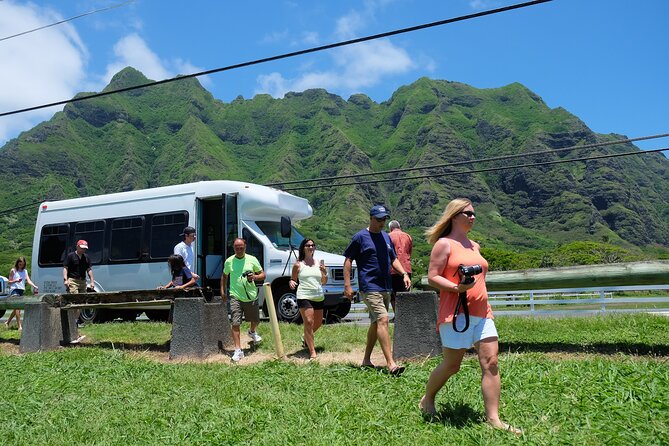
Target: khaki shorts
<point x="377" y="303"/>
<point x="76" y="286"/>
<point x="250" y="310"/>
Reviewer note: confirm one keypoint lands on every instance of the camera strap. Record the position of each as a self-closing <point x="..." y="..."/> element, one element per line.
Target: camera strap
<point x="462" y="303"/>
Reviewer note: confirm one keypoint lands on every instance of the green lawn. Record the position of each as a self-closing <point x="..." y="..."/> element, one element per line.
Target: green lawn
<point x="599" y="380"/>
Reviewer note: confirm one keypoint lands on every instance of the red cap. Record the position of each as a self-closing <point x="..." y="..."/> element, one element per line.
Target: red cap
<point x="82" y="244"/>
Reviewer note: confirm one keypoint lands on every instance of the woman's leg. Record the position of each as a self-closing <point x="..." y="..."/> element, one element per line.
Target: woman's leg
<point x="308" y="320"/>
<point x="488" y="350"/>
<point x="18" y="319"/>
<point x="448" y="367"/>
<point x="490" y="381"/>
<point x="318" y="319"/>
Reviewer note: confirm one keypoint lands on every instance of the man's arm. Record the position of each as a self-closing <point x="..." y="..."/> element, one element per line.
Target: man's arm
<point x="90" y="275"/>
<point x="400" y="269"/>
<point x="348" y="290"/>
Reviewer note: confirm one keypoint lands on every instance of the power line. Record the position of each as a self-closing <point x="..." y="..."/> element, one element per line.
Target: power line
<point x="285" y="55"/>
<point x="66" y="20"/>
<point x="459" y="163"/>
<point x="490" y="169"/>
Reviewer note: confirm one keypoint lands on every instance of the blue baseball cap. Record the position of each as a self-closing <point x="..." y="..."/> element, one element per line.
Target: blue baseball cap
<point x="379" y="211"/>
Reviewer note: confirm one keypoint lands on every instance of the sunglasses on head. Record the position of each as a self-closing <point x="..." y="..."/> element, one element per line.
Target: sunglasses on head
<point x="469" y="213"/>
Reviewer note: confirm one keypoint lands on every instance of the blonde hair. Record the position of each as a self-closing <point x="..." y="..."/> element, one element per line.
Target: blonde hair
<point x="443" y="226"/>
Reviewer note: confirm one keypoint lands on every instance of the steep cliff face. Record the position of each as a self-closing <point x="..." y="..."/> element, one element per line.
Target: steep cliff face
<point x="178" y="133"/>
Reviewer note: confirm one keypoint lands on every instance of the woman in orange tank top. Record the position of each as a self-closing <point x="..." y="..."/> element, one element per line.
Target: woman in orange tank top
<point x="453" y="248"/>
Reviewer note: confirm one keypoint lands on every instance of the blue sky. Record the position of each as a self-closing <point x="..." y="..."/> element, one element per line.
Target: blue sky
<point x="605" y="61"/>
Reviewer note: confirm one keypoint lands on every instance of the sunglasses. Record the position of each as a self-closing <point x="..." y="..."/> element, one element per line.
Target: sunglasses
<point x="380" y="219"/>
<point x="309" y="245"/>
<point x="469" y="213"/>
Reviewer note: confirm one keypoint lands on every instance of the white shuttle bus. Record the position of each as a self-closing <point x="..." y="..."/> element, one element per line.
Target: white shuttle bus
<point x="131" y="234"/>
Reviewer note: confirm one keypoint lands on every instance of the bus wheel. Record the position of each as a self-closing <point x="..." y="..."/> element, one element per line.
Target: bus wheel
<point x="335" y="315"/>
<point x="2" y="313"/>
<point x="158" y="315"/>
<point x="89" y="315"/>
<point x="286" y="306"/>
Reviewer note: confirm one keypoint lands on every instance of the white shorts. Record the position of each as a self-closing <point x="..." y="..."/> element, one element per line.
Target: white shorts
<point x="479" y="328"/>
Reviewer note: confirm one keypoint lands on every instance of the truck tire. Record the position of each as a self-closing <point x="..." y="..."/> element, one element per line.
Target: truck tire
<point x="286" y="306"/>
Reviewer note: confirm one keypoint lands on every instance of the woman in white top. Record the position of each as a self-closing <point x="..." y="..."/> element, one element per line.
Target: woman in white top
<point x="311" y="275"/>
<point x="18" y="277"/>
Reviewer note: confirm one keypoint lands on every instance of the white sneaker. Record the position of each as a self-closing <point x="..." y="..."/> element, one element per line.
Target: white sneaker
<point x="78" y="340"/>
<point x="255" y="337"/>
<point x="237" y="355"/>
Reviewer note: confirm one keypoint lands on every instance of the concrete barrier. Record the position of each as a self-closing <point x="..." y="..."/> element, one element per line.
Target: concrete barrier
<point x="199" y="328"/>
<point x="415" y="333"/>
<point x="46" y="328"/>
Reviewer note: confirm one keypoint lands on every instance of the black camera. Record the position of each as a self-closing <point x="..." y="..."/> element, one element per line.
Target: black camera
<point x="469" y="272"/>
<point x="246" y="274"/>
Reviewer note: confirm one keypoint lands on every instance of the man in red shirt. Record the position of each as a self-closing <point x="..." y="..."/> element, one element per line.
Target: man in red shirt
<point x="403" y="247"/>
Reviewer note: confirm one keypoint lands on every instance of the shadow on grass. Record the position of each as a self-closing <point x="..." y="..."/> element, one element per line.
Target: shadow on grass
<point x="304" y="353"/>
<point x="629" y="348"/>
<point x="456" y="415"/>
<point x="152" y="347"/>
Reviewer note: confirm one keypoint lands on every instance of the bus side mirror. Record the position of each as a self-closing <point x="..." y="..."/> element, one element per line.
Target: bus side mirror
<point x="286" y="227"/>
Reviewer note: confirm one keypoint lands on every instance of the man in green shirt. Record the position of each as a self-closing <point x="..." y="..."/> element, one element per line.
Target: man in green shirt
<point x="241" y="271"/>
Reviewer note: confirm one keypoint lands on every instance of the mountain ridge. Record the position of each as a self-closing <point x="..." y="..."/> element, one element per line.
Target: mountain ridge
<point x="178" y="132"/>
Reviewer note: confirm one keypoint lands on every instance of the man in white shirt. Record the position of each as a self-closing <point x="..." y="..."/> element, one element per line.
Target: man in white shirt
<point x="185" y="249"/>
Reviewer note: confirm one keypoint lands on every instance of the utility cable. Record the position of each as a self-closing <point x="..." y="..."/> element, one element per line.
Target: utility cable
<point x="66" y="20"/>
<point x="459" y="163"/>
<point x="490" y="169"/>
<point x="284" y="56"/>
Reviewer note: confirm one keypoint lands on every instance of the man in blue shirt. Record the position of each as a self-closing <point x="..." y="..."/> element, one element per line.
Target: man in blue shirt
<point x="373" y="252"/>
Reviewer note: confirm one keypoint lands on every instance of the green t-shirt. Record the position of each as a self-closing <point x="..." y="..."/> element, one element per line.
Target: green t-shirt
<point x="240" y="288"/>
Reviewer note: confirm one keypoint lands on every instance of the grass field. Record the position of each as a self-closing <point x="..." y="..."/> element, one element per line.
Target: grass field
<point x="596" y="380"/>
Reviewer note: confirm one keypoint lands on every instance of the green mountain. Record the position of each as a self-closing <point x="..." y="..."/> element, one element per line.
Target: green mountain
<point x="607" y="210"/>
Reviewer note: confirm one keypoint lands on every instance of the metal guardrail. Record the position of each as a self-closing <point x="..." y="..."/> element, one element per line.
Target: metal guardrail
<point x="577" y="300"/>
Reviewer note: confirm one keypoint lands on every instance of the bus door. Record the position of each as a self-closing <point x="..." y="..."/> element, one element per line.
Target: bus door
<point x="218" y="228"/>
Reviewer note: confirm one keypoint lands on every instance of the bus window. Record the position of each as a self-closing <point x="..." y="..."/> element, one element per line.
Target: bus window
<point x="53" y="244"/>
<point x="126" y="238"/>
<point x="272" y="229"/>
<point x="253" y="246"/>
<point x="165" y="230"/>
<point x="93" y="232"/>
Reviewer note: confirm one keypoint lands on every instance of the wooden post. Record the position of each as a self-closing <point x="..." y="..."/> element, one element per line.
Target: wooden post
<point x="273" y="321"/>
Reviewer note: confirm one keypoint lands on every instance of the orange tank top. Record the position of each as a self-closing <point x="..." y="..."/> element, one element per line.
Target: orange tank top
<point x="477" y="296"/>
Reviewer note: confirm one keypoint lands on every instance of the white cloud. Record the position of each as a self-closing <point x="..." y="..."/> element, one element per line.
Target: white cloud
<point x="40" y="67"/>
<point x="133" y="51"/>
<point x="354" y="67"/>
<point x="479" y="5"/>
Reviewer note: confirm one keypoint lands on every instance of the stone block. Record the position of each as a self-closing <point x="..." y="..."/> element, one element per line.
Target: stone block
<point x="415" y="333"/>
<point x="199" y="328"/>
<point x="46" y="328"/>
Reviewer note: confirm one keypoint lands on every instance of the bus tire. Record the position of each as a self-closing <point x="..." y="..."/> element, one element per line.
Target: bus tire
<point x="286" y="306"/>
<point x="158" y="315"/>
<point x="2" y="313"/>
<point x="90" y="315"/>
<point x="336" y="314"/>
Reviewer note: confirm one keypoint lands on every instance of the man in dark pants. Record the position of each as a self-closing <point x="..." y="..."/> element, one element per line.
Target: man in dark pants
<point x="75" y="268"/>
<point x="373" y="252"/>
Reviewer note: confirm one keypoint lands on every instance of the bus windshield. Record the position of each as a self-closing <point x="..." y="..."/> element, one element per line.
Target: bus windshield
<point x="272" y="230"/>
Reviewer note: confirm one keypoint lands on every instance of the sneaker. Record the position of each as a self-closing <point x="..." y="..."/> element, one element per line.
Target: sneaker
<point x="237" y="355"/>
<point x="255" y="337"/>
<point x="78" y="340"/>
